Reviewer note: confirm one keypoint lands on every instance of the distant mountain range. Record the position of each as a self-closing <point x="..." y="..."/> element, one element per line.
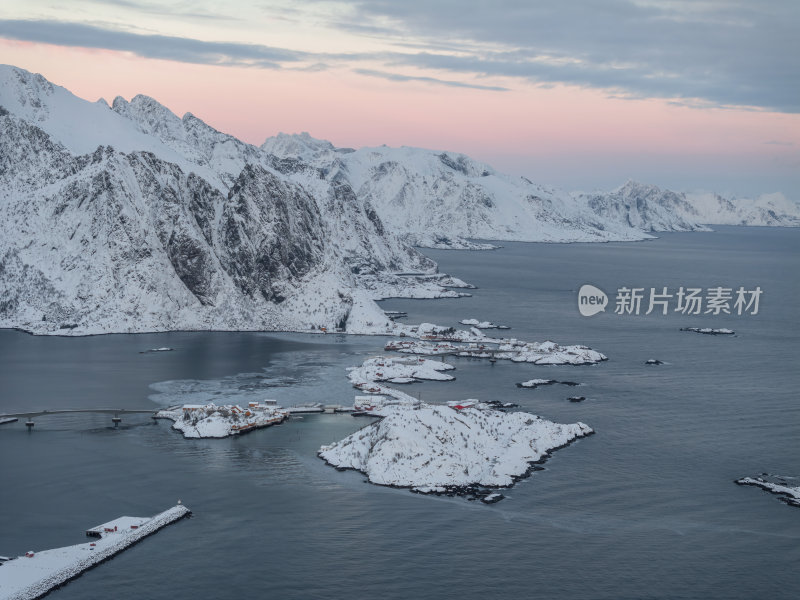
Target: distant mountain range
<point x="442" y="199"/>
<point x="129" y="218"/>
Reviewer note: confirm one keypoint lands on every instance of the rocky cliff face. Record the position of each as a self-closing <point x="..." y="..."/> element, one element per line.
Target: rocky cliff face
<point x="168" y="224"/>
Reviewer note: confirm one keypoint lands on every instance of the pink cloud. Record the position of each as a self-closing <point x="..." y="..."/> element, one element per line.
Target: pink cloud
<point x="527" y="123"/>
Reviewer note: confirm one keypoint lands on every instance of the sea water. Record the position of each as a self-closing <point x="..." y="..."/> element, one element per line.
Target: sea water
<point x="646" y="508"/>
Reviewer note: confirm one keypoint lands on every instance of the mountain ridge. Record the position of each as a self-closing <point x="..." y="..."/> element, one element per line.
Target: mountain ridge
<point x="128" y="218"/>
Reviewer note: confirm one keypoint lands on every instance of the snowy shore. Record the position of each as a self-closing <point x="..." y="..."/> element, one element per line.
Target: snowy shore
<point x="451" y="450"/>
<point x="37" y="573"/>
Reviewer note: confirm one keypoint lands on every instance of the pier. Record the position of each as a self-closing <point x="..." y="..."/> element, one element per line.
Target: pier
<point x="34" y="574"/>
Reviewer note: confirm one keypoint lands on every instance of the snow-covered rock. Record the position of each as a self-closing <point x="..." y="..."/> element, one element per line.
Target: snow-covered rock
<point x="781" y="486"/>
<point x="540" y="353"/>
<point x="482" y="324"/>
<point x="214" y="421"/>
<point x="709" y="330"/>
<point x="548" y="353"/>
<point x="434" y="448"/>
<point x="534" y="383"/>
<point x="400" y="370"/>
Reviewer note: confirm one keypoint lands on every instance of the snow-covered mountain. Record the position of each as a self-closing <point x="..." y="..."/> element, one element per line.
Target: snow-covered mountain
<point x="128" y="218"/>
<point x="651" y="208"/>
<point x="438" y="199"/>
<point x="644" y="207"/>
<point x="774" y="210"/>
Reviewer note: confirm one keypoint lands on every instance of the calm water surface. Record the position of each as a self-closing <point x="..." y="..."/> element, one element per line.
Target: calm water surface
<point x="646" y="508"/>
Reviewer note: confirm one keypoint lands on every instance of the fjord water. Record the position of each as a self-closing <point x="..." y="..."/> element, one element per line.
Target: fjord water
<point x="646" y="508"/>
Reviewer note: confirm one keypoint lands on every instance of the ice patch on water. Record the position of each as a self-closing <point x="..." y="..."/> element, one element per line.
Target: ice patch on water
<point x="289" y="380"/>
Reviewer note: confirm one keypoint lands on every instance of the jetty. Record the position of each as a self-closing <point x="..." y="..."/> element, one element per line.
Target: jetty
<point x="36" y="573"/>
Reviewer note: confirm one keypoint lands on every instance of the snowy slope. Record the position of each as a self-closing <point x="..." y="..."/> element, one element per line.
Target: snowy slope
<point x="133" y="219"/>
<point x="437" y="199"/>
<point x="78" y="125"/>
<point x="644" y="207"/>
<point x="433" y="447"/>
<point x="774" y="210"/>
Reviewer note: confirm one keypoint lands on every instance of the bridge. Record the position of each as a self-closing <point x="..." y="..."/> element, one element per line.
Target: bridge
<point x="29" y="415"/>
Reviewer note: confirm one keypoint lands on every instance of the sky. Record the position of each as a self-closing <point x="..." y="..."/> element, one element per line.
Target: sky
<point x="580" y="94"/>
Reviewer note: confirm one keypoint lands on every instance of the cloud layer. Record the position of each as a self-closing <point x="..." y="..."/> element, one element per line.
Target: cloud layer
<point x="700" y="52"/>
<point x="165" y="47"/>
<point x="725" y="52"/>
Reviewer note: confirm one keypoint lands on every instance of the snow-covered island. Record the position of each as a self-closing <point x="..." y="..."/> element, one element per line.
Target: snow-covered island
<point x="548" y="353"/>
<point x="455" y="450"/>
<point x="482" y="324"/>
<point x="215" y="421"/>
<point x="790" y="494"/>
<point x="371" y="377"/>
<point x="540" y="353"/>
<point x="709" y="330"/>
<point x="38" y="572"/>
<point x="400" y="370"/>
<point x="534" y="383"/>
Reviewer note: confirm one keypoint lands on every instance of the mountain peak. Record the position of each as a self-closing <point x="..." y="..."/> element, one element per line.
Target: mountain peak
<point x="300" y="146"/>
<point x="150" y="116"/>
<point x="24" y="93"/>
<point x="144" y="109"/>
<point x="632" y="185"/>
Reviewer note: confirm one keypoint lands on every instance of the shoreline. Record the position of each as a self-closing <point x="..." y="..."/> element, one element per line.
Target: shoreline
<point x="316" y="332"/>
